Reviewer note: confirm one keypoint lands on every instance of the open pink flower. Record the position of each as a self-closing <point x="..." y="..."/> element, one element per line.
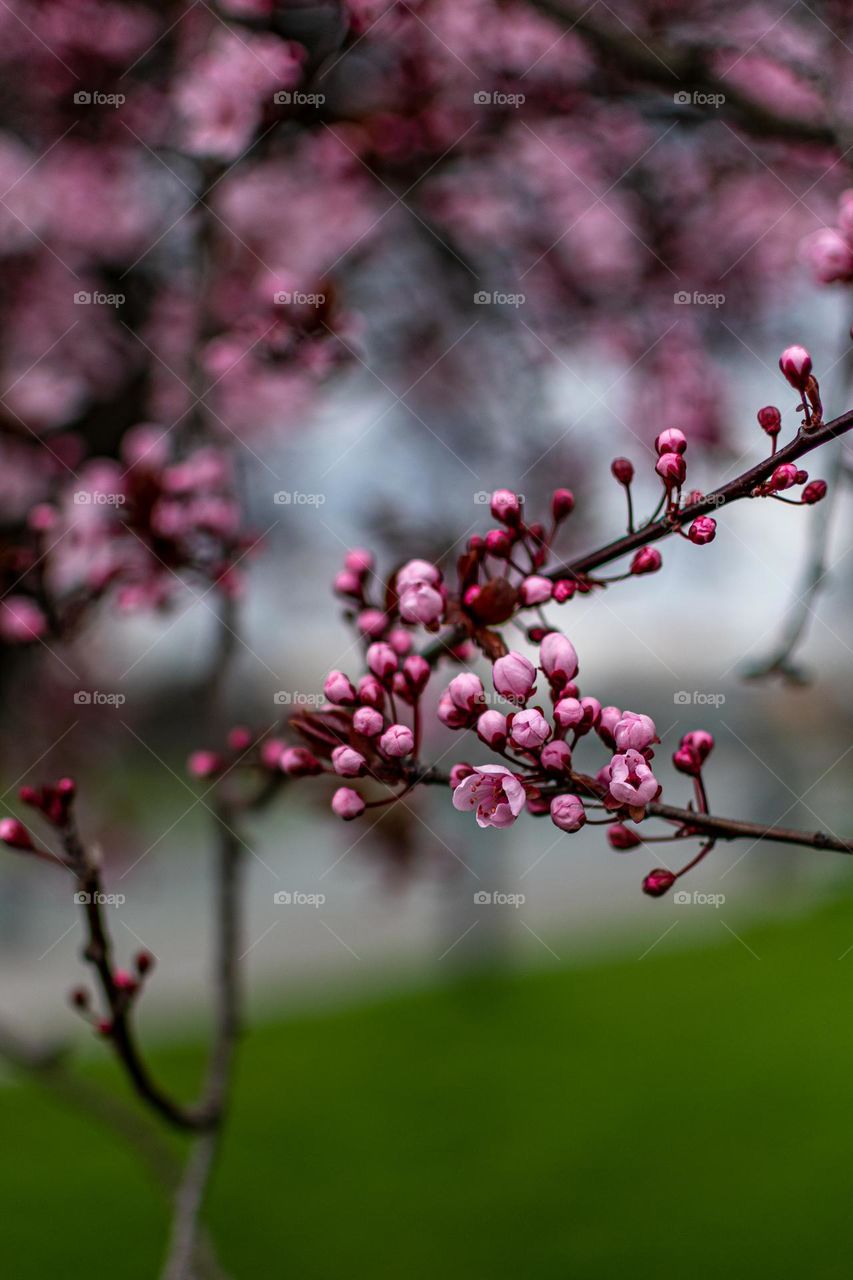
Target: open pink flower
<point x="494" y="792"/>
<point x="631" y="780"/>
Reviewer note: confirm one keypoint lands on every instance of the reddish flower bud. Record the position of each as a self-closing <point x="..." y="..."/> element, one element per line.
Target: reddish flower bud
<point x="347" y="804"/>
<point x="370" y="692"/>
<point x="240" y="738"/>
<point x="647" y="560"/>
<point x="814" y="491"/>
<point x="796" y="365"/>
<point x="702" y="530"/>
<point x="564" y="589"/>
<point x="770" y="419"/>
<point x="338" y="688"/>
<point x="298" y="762"/>
<point x="124" y="980"/>
<point x="535" y="590"/>
<point x="686" y="760"/>
<point x="144" y="961"/>
<point x="672" y="469"/>
<point x="658" y="882"/>
<point x="205" y="764"/>
<point x="499" y="544"/>
<point x="80" y="998"/>
<point x="104" y="1027"/>
<point x="417" y="672"/>
<point x="622" y="838"/>
<point x="382" y="660"/>
<point x="505" y="506"/>
<point x="622" y="469"/>
<point x="784" y="477"/>
<point x="562" y="504"/>
<point x="671" y="441"/>
<point x="700" y="741"/>
<point x="802" y="476"/>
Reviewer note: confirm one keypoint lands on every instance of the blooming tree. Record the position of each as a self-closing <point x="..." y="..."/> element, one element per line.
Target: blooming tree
<point x="187" y="199"/>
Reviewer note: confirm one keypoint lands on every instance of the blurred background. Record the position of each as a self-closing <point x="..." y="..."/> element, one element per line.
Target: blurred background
<point x="322" y="276"/>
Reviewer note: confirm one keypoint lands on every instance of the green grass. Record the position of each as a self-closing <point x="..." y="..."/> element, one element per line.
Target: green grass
<point x="690" y="1114"/>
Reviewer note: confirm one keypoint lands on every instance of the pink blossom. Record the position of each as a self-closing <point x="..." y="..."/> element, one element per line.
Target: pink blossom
<point x="634" y="731"/>
<point x="514" y="676"/>
<point x="700" y="741"/>
<point x="505" y="506"/>
<point x="492" y="728"/>
<point x="421" y="603"/>
<point x="568" y="813"/>
<point x="622" y="470"/>
<point x="647" y="560"/>
<point x="495" y="793"/>
<point x="529" y="730"/>
<point x="397" y="741"/>
<point x="658" y="882"/>
<point x="558" y="657"/>
<point x="382" y="660"/>
<point x="205" y="764"/>
<point x="535" y="590"/>
<point x="562" y="504"/>
<point x="796" y="365"/>
<point x="417" y="672"/>
<point x="14" y="834"/>
<point x="568" y="713"/>
<point x="556" y="756"/>
<point x="466" y="690"/>
<point x="702" y="531"/>
<point x="631" y="779"/>
<point x="670" y="441"/>
<point x="21" y="620"/>
<point x="297" y="762"/>
<point x="347" y="804"/>
<point x="607" y="722"/>
<point x="348" y="762"/>
<point x="370" y="692"/>
<point x="815" y="491"/>
<point x="368" y="722"/>
<point x="671" y="468"/>
<point x="338" y="688"/>
<point x="416" y="573"/>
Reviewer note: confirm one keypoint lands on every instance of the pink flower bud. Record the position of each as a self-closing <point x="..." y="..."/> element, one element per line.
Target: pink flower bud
<point x="564" y="590"/>
<point x="205" y="764"/>
<point x="371" y="622"/>
<point x="338" y="689"/>
<point x="658" y="882"/>
<point x="686" y="760"/>
<point x="814" y="491"/>
<point x="401" y="689"/>
<point x="417" y="572"/>
<point x="635" y="731"/>
<point x="14" y="834"/>
<point x="348" y="762"/>
<point x="700" y="741"/>
<point x="783" y="477"/>
<point x="417" y="672"/>
<point x="499" y="544"/>
<point x="466" y="691"/>
<point x="400" y="641"/>
<point x="702" y="530"/>
<point x="562" y="504"/>
<point x="144" y="962"/>
<point x="558" y="657"/>
<point x="421" y="603"/>
<point x="530" y="730"/>
<point x="124" y="980"/>
<point x="556" y="756"/>
<point x="535" y="590"/>
<point x="567" y="813"/>
<point x="514" y="676"/>
<point x="382" y="660"/>
<point x="622" y="469"/>
<point x="368" y="722"/>
<point x="671" y="468"/>
<point x="397" y="741"/>
<point x="370" y="692"/>
<point x="607" y="722"/>
<point x="505" y="506"/>
<point x="828" y="255"/>
<point x="240" y="738"/>
<point x="271" y="749"/>
<point x="298" y="762"/>
<point x="451" y="716"/>
<point x="796" y="365"/>
<point x="359" y="561"/>
<point x="647" y="560"/>
<point x="622" y="838"/>
<point x="347" y="584"/>
<point x="568" y="713"/>
<point x="347" y="804"/>
<point x="458" y="773"/>
<point x="492" y="728"/>
<point x="671" y="441"/>
<point x="770" y="419"/>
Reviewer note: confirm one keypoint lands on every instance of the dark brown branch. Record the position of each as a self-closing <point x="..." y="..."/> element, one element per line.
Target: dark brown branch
<point x="673" y="68"/>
